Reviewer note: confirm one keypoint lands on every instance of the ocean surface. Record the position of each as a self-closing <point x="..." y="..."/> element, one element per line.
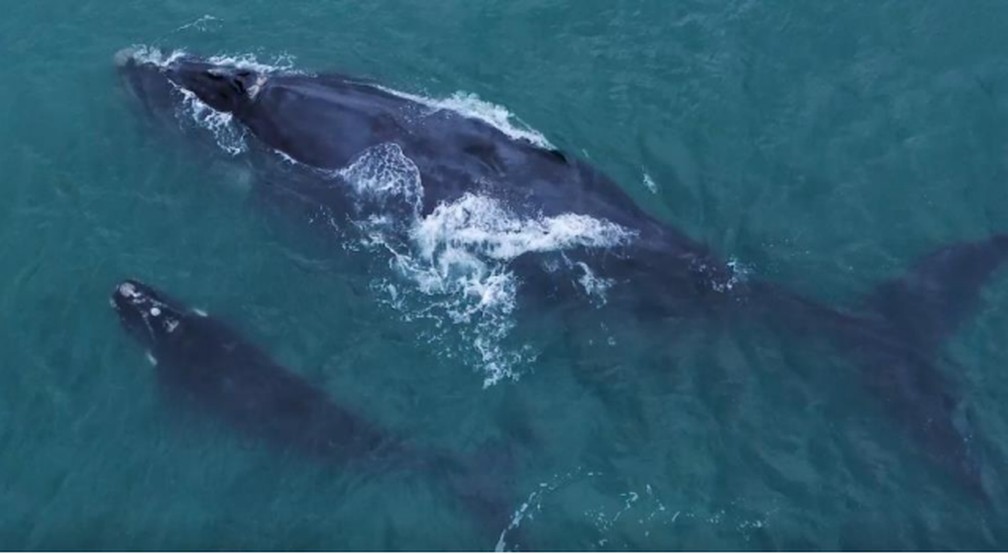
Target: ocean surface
<point x="820" y="145"/>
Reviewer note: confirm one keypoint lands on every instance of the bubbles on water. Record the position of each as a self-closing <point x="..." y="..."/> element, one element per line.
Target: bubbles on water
<point x="724" y="278"/>
<point x="533" y="504"/>
<point x="630" y="520"/>
<point x="202" y="24"/>
<point x="280" y="63"/>
<point x="594" y="286"/>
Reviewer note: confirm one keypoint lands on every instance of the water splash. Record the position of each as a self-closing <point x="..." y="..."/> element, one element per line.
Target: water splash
<point x="470" y="105"/>
<point x="228" y="135"/>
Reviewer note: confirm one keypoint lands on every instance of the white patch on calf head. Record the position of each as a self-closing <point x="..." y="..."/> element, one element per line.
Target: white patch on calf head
<point x="171" y="324"/>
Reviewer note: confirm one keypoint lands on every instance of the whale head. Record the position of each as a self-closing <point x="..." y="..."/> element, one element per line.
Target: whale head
<point x="147" y="314"/>
<point x="162" y="82"/>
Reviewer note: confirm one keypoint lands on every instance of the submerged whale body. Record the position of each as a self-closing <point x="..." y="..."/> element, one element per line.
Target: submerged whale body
<point x="201" y="359"/>
<point x="325" y="122"/>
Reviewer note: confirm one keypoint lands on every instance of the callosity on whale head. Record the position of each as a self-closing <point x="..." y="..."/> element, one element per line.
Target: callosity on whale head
<point x="162" y="82"/>
<point x="146" y="313"/>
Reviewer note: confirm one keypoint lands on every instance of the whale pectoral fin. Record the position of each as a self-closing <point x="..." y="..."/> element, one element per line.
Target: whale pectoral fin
<point x="150" y="358"/>
<point x="926" y="305"/>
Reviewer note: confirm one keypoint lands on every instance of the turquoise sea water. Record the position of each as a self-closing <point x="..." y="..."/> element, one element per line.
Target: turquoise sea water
<point x="822" y="145"/>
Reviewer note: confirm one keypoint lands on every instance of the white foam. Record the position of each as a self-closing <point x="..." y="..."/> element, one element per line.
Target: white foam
<point x="384" y="177"/>
<point x="470" y="105"/>
<point x="150" y="54"/>
<point x="147" y="54"/>
<point x="228" y="135"/>
<point x="281" y="63"/>
<point x="202" y="24"/>
<point x="650" y="184"/>
<point x="594" y="286"/>
<point x="459" y="253"/>
<point x="480" y="223"/>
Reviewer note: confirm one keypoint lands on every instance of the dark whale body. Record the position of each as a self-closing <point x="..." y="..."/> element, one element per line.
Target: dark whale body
<point x="204" y="361"/>
<point x="324" y="121"/>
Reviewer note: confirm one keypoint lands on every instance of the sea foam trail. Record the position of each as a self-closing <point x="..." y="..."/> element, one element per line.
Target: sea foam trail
<point x="451" y="265"/>
<point x="634" y="519"/>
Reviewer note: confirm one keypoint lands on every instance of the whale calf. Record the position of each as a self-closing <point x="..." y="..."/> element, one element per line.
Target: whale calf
<point x="204" y="361"/>
<point x="323" y="123"/>
<point x="209" y="363"/>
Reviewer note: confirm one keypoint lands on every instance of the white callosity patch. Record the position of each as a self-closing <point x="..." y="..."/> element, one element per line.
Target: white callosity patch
<point x="150" y="309"/>
<point x="227" y="133"/>
<point x="171" y="324"/>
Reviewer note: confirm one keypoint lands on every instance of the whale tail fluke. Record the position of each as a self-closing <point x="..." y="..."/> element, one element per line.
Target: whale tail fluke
<point x="917" y="312"/>
<point x="927" y="304"/>
<point x="895" y="337"/>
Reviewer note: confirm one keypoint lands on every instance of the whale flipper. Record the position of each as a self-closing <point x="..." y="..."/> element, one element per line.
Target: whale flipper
<point x="928" y="303"/>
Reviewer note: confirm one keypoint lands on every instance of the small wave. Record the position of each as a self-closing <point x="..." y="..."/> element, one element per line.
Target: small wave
<point x="153" y="55"/>
<point x="638" y="513"/>
<point x="472" y="106"/>
<point x="201" y="24"/>
<point x="533" y="504"/>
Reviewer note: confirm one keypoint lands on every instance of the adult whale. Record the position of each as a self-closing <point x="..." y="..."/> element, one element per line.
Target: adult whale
<point x="203" y="361"/>
<point x="324" y="121"/>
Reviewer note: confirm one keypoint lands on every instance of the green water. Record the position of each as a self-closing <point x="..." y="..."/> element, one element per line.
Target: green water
<point x="824" y="145"/>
